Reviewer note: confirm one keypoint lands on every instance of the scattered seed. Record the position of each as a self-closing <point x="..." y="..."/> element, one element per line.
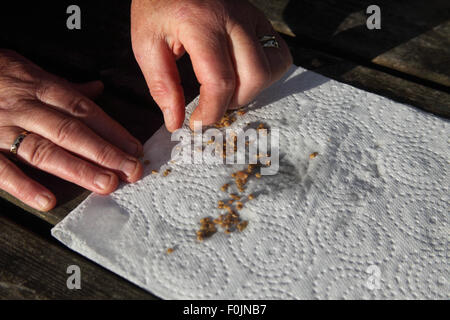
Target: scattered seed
<point x="235" y="196"/>
<point x="224" y="187"/>
<point x="170" y="250"/>
<point x="258" y="175"/>
<point x="154" y="171"/>
<point x="166" y="172"/>
<point x="241" y="226"/>
<point x="207" y="228"/>
<point x="241" y="175"/>
<point x="313" y="155"/>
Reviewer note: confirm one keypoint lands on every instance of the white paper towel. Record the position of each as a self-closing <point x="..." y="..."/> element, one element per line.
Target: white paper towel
<point x="367" y="218"/>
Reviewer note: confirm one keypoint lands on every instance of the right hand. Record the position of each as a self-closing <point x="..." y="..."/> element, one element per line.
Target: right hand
<point x="70" y="136"/>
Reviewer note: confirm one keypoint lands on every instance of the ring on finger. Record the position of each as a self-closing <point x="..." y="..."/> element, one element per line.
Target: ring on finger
<point x="269" y="41"/>
<point x="16" y="144"/>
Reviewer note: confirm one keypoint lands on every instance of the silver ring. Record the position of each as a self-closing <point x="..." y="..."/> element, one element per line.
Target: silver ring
<point x="269" y="42"/>
<point x="15" y="146"/>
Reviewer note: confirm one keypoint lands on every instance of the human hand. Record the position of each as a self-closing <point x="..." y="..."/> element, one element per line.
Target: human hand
<point x="69" y="135"/>
<point x="222" y="40"/>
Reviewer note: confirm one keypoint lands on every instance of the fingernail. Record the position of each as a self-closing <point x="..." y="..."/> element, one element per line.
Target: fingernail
<point x="43" y="201"/>
<point x="102" y="180"/>
<point x="129" y="167"/>
<point x="132" y="148"/>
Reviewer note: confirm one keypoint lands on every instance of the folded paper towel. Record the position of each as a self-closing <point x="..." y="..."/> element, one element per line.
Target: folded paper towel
<point x="366" y="218"/>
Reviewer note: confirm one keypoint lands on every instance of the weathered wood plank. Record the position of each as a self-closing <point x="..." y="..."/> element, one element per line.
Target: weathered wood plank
<point x="414" y="36"/>
<point x="34" y="267"/>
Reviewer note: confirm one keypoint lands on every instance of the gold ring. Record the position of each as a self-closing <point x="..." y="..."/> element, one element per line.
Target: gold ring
<point x="269" y="42"/>
<point x="17" y="142"/>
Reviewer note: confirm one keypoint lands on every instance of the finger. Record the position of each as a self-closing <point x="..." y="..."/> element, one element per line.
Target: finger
<point x="70" y="101"/>
<point x="17" y="184"/>
<point x="214" y="70"/>
<point x="45" y="155"/>
<point x="72" y="135"/>
<point x="253" y="70"/>
<point x="92" y="89"/>
<point x="162" y="77"/>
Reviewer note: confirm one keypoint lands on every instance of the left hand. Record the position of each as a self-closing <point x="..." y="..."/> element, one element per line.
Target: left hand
<point x="222" y="40"/>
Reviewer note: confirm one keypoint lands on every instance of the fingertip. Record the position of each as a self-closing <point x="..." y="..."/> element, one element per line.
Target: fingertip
<point x="105" y="182"/>
<point x="137" y="174"/>
<point x="140" y="149"/>
<point x="44" y="201"/>
<point x="206" y="120"/>
<point x="131" y="170"/>
<point x="169" y="119"/>
<point x="196" y="116"/>
<point x="173" y="118"/>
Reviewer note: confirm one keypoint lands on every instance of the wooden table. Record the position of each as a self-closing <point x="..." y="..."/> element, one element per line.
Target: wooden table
<point x="408" y="60"/>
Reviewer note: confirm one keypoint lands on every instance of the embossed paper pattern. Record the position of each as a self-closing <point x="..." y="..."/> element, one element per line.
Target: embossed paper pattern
<point x="368" y="217"/>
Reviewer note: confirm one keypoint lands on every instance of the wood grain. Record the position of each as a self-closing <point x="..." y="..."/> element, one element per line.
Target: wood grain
<point x="414" y="36"/>
<point x="34" y="267"/>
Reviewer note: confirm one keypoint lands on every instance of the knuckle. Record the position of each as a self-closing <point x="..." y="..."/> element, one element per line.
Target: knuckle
<point x="67" y="128"/>
<point x="13" y="92"/>
<point x="223" y="84"/>
<point x="106" y="155"/>
<point x="42" y="90"/>
<point x="202" y="14"/>
<point x="40" y="150"/>
<point x="80" y="106"/>
<point x="159" y="89"/>
<point x="74" y="103"/>
<point x="17" y="67"/>
<point x="82" y="171"/>
<point x="188" y="13"/>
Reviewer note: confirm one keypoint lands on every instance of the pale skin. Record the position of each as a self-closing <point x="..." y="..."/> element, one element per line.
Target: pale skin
<point x="72" y="138"/>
